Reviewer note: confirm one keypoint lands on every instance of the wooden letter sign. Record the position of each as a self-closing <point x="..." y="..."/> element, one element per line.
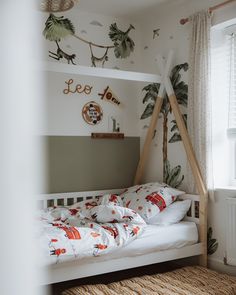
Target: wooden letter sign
<point x="108" y="95"/>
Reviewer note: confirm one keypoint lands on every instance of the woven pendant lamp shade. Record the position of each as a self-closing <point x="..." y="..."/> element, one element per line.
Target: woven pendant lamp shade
<point x="56" y="5"/>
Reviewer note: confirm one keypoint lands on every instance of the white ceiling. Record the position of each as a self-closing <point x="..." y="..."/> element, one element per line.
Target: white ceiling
<point x="117" y="7"/>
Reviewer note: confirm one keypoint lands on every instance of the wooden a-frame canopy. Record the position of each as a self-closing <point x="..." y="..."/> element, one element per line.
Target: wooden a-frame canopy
<point x="166" y="86"/>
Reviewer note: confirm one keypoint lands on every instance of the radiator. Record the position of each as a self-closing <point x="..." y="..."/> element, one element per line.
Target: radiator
<point x="231" y="232"/>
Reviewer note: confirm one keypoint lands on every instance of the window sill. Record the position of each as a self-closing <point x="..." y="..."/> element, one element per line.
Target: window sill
<point x="225" y="188"/>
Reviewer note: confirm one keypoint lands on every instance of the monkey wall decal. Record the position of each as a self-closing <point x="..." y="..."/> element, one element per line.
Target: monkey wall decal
<point x="57" y="28"/>
<point x="96" y="61"/>
<point x="62" y="54"/>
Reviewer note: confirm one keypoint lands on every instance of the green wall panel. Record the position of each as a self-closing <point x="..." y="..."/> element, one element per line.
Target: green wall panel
<point x="79" y="163"/>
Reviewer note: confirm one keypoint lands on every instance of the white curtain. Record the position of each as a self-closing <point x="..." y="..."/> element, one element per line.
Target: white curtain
<point x="199" y="104"/>
<point x="222" y="147"/>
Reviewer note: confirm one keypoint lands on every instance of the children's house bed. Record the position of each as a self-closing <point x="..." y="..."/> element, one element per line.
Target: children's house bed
<point x="155" y="243"/>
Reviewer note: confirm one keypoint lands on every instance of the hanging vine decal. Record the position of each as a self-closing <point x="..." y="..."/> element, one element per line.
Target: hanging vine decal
<point x="58" y="28"/>
<point x="171" y="176"/>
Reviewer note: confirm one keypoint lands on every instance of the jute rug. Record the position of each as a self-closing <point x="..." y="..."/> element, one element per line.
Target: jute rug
<point x="194" y="280"/>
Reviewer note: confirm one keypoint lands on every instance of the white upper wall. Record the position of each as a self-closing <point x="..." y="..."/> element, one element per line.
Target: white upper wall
<point x="172" y="35"/>
<point x="118" y="8"/>
<point x="64" y="112"/>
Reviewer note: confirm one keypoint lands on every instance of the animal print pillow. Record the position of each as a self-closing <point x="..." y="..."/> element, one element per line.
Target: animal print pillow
<point x="149" y="199"/>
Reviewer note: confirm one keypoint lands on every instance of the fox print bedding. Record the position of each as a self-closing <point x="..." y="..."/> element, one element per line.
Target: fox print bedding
<point x="88" y="228"/>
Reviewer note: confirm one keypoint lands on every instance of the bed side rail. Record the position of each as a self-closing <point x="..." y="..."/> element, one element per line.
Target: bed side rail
<point x="68" y="199"/>
<point x="193" y="213"/>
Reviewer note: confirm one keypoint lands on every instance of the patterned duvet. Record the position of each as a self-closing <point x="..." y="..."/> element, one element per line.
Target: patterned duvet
<point x="89" y="228"/>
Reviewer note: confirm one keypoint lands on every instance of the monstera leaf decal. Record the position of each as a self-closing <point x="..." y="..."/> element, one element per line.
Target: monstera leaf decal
<point x="212" y="244"/>
<point x="124" y="45"/>
<point x="172" y="176"/>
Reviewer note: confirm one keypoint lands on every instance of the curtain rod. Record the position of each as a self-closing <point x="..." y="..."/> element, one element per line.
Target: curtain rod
<point x="183" y="21"/>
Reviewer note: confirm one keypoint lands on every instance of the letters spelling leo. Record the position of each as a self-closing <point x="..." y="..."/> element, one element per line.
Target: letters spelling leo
<point x="78" y="88"/>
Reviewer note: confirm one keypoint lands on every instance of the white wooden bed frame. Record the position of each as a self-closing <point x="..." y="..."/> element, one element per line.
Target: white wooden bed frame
<point x="95" y="266"/>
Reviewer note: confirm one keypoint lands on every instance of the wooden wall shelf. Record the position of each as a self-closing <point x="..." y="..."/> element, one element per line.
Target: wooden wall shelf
<point x="100" y="72"/>
<point x="107" y="135"/>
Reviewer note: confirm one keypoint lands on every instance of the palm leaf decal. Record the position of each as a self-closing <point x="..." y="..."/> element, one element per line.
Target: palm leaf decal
<point x="180" y="88"/>
<point x="176" y="136"/>
<point x="170" y="176"/>
<point x="57" y="28"/>
<point x="151" y="94"/>
<point x="212" y="244"/>
<point x="115" y="33"/>
<point x="166" y="169"/>
<point x="124" y="45"/>
<point x="148" y="111"/>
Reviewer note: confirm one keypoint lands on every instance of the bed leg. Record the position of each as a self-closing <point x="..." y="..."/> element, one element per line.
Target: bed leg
<point x="203" y="260"/>
<point x="203" y="227"/>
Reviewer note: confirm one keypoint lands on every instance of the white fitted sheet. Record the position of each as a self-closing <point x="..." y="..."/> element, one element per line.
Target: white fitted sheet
<point x="158" y="238"/>
<point x="154" y="238"/>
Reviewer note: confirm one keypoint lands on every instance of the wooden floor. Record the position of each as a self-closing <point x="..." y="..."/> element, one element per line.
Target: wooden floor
<point x="56" y="289"/>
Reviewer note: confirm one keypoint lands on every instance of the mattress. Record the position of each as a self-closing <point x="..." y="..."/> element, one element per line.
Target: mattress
<point x="154" y="238"/>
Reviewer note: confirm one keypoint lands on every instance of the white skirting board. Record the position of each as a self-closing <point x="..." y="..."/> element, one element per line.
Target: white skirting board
<point x="218" y="265"/>
<point x="75" y="269"/>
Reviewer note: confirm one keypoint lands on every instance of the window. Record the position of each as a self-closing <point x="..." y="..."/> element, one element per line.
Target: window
<point x="223" y="89"/>
<point x="232" y="103"/>
<point x="232" y="82"/>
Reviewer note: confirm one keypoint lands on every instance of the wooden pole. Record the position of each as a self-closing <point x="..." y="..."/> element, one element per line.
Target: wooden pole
<point x="195" y="170"/>
<point x="188" y="149"/>
<point x="165" y="71"/>
<point x="183" y="21"/>
<point x="148" y="140"/>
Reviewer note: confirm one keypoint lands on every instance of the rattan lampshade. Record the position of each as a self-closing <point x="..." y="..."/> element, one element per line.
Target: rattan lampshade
<point x="56" y="5"/>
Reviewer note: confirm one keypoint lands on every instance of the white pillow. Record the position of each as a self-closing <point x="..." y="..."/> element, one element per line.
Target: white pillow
<point x="174" y="213"/>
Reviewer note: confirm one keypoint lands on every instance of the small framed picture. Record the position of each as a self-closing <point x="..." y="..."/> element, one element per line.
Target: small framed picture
<point x="92" y="113"/>
<point x="114" y="124"/>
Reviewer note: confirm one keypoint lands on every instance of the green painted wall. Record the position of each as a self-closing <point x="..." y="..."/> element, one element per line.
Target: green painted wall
<point x="79" y="163"/>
